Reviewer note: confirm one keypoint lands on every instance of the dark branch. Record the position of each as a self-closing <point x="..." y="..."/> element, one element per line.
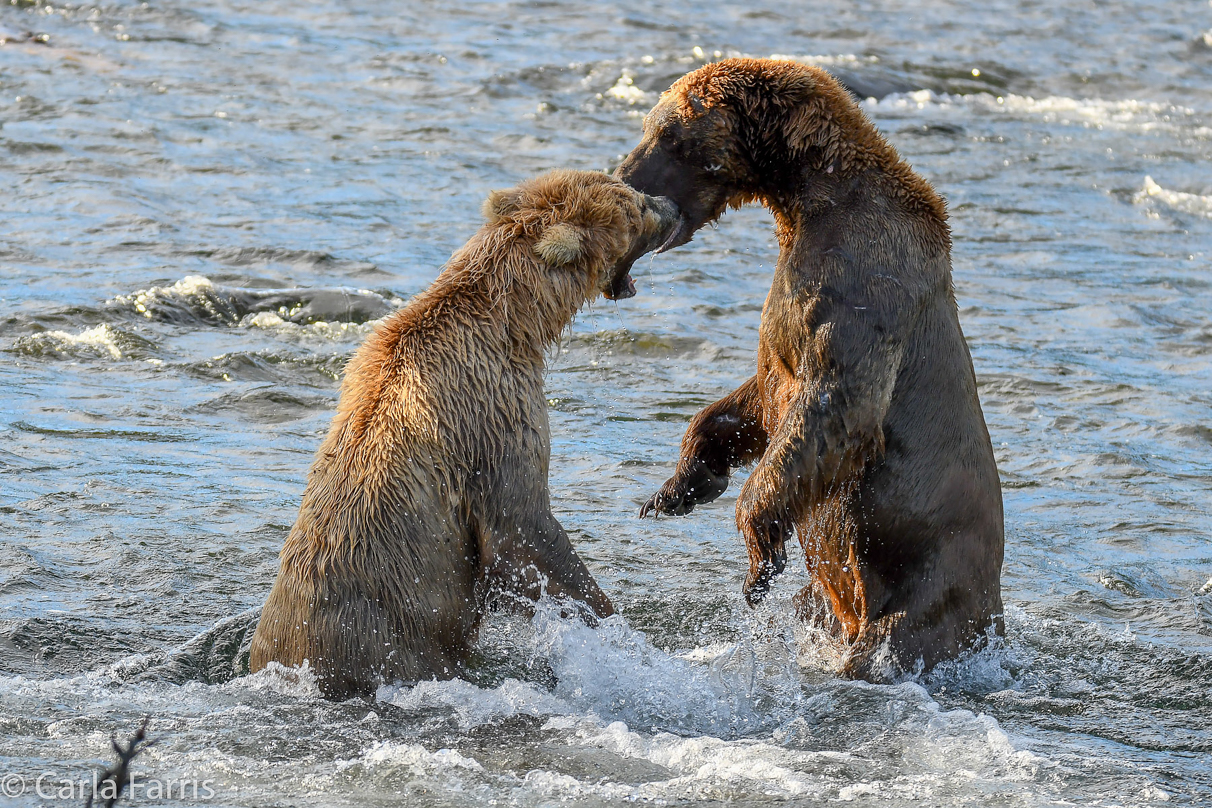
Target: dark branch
<point x="115" y="778"/>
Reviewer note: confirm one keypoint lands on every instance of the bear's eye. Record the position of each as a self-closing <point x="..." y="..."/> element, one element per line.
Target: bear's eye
<point x="671" y="143"/>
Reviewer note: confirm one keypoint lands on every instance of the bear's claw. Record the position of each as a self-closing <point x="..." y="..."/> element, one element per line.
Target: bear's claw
<point x="759" y="581"/>
<point x="658" y="503"/>
<point x="693" y="484"/>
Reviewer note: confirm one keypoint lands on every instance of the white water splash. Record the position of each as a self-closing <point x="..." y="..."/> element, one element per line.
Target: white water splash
<point x="290" y="313"/>
<point x="1095" y="113"/>
<point x="195" y="287"/>
<point x="474" y="706"/>
<point x="1194" y="204"/>
<point x="625" y="90"/>
<point x="100" y="340"/>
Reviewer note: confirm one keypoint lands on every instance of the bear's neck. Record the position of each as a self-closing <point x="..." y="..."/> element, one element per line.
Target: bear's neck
<point x="824" y="152"/>
<point x="530" y="305"/>
<point x="534" y="321"/>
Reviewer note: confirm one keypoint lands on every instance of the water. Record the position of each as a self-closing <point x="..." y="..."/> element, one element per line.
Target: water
<point x="206" y="207"/>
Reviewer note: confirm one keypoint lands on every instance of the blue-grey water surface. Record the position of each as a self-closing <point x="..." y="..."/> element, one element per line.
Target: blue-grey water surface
<point x="205" y="206"/>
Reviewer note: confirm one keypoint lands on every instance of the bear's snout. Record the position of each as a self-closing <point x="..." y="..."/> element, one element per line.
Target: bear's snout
<point x="662" y="221"/>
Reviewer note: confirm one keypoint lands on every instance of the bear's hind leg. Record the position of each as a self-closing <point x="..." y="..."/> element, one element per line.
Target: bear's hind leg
<point x="942" y="619"/>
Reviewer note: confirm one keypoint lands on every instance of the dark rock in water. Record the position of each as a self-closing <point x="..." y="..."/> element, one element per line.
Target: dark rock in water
<point x="196" y="300"/>
<point x="267" y="405"/>
<point x="8" y="35"/>
<point x="217" y="655"/>
<point x="305" y="306"/>
<point x="863" y="86"/>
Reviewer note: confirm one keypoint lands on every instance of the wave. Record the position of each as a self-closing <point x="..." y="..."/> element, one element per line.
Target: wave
<point x="312" y="368"/>
<point x="1097" y="113"/>
<point x="268" y="405"/>
<point x="629" y="342"/>
<point x="266" y="256"/>
<point x="99" y="342"/>
<point x="216" y="655"/>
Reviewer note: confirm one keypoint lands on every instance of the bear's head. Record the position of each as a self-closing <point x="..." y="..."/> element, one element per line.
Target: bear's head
<point x="585" y="227"/>
<point x="742" y="129"/>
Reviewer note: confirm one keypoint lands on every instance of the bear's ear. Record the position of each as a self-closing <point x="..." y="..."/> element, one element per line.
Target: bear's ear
<point x="560" y="245"/>
<point x="500" y="204"/>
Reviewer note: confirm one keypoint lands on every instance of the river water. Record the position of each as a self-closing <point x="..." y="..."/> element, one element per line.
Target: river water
<point x="206" y="206"/>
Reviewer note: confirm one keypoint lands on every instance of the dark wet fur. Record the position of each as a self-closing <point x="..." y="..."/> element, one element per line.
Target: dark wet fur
<point x="862" y="423"/>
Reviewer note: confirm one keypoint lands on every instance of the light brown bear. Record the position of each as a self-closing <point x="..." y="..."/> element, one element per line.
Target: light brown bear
<point x="429" y="499"/>
<point x="862" y="421"/>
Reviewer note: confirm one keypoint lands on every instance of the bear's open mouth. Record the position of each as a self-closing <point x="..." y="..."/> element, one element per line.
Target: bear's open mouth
<point x="671" y="225"/>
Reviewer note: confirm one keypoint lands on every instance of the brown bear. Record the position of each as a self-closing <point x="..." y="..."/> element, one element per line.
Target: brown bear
<point x="428" y="499"/>
<point x="862" y="422"/>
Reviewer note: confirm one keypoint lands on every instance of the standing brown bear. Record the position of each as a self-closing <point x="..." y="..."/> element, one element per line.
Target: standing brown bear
<point x="862" y="423"/>
<point x="429" y="498"/>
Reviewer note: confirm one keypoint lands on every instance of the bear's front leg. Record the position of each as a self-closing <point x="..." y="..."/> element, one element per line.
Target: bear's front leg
<point x="766" y="524"/>
<point x="693" y="483"/>
<point x="808" y="458"/>
<point x="722" y="436"/>
<point x="532" y="555"/>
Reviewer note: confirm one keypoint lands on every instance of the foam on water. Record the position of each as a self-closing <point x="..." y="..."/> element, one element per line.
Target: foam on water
<point x="320" y="329"/>
<point x="1127" y="115"/>
<point x="1087" y="111"/>
<point x="1174" y="200"/>
<point x="196" y="288"/>
<point x="625" y="90"/>
<point x="624" y="720"/>
<point x="414" y="756"/>
<point x="100" y="341"/>
<point x="822" y="60"/>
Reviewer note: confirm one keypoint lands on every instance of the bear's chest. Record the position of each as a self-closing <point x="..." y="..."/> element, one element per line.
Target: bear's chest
<point x="796" y="331"/>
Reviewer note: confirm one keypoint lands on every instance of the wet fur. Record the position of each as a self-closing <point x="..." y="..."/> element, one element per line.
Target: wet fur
<point x="862" y="421"/>
<point x="428" y="499"/>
